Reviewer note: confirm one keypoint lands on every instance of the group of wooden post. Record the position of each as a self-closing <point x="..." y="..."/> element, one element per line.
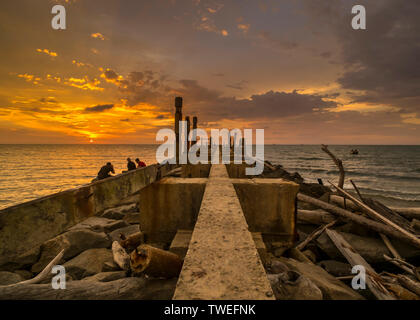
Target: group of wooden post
<point x="178" y="118"/>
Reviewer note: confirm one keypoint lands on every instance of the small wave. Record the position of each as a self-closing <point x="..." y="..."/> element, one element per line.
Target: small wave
<point x="310" y="158"/>
<point x="394" y="198"/>
<point x="350" y="173"/>
<point x="392" y="194"/>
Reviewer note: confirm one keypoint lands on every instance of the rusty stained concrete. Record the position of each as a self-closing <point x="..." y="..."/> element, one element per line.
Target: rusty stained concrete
<point x="168" y="205"/>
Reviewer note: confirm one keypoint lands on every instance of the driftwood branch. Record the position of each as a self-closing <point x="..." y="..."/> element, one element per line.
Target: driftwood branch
<point x="371" y="224"/>
<point x="155" y="262"/>
<point x="379" y="216"/>
<point x="401" y="264"/>
<point x="385" y="239"/>
<point x="373" y="280"/>
<point x="42" y="275"/>
<point x="314" y="235"/>
<point x="337" y="162"/>
<point x="318" y="217"/>
<point x="409" y="284"/>
<point x="121" y="258"/>
<point x="133" y="241"/>
<point x="409" y="213"/>
<point x="124" y="289"/>
<point x="390" y="247"/>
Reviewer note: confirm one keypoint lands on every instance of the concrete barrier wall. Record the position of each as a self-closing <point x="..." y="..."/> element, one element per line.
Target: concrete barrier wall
<point x="269" y="206"/>
<point x="169" y="205"/>
<point x="29" y="224"/>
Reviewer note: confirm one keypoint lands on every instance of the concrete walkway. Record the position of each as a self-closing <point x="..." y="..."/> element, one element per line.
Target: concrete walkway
<point x="222" y="261"/>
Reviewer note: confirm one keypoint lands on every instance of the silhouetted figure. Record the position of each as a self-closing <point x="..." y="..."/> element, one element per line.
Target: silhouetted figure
<point x="140" y="164"/>
<point x="105" y="170"/>
<point x="130" y="165"/>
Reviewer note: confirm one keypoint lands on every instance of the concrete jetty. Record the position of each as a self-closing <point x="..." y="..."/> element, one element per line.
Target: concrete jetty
<point x="222" y="261"/>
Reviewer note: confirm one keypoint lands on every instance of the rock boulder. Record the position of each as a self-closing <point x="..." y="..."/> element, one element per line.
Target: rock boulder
<point x="74" y="242"/>
<point x="88" y="263"/>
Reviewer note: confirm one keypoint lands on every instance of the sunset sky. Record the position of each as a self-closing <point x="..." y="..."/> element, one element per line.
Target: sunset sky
<point x="295" y="68"/>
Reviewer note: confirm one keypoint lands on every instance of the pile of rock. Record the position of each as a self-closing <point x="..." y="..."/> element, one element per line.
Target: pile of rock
<point x="88" y="260"/>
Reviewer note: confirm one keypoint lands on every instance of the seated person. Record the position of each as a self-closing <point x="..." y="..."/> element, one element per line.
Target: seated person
<point x="105" y="170"/>
<point x="130" y="165"/>
<point x="140" y="164"/>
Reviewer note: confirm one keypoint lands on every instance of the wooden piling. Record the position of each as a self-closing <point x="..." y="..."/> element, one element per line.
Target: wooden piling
<point x="155" y="262"/>
<point x="178" y="118"/>
<point x="187" y="119"/>
<point x="194" y="138"/>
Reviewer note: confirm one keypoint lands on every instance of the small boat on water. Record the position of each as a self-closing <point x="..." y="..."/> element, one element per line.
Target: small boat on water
<point x="354" y="151"/>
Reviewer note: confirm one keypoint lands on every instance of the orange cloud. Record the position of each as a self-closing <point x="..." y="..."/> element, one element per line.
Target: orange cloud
<point x="46" y="51"/>
<point x="84" y="83"/>
<point x="81" y="64"/>
<point x="30" y="78"/>
<point x="244" y="27"/>
<point x="98" y="35"/>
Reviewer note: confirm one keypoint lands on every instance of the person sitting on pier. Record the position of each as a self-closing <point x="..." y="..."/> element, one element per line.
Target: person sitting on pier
<point x="130" y="165"/>
<point x="140" y="164"/>
<point x="105" y="170"/>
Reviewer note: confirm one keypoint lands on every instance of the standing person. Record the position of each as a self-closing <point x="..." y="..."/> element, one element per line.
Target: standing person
<point x="140" y="164"/>
<point x="130" y="165"/>
<point x="105" y="170"/>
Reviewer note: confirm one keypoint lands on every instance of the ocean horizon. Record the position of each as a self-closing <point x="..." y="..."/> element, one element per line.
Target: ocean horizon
<point x="388" y="173"/>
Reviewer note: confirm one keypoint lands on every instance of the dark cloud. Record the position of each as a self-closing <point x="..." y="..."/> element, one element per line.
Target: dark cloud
<point x="382" y="62"/>
<point x="326" y="54"/>
<point x="267" y="105"/>
<point x="110" y="74"/>
<point x="238" y="85"/>
<point x="99" y="108"/>
<point x="277" y="43"/>
<point x="48" y="100"/>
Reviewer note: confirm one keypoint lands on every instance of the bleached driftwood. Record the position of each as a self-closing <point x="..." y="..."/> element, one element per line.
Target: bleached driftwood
<point x="368" y="223"/>
<point x="121" y="258"/>
<point x="337" y="162"/>
<point x="314" y="235"/>
<point x="373" y="280"/>
<point x="409" y="284"/>
<point x="318" y="217"/>
<point x="123" y="289"/>
<point x="411" y="213"/>
<point x="42" y="275"/>
<point x="375" y="214"/>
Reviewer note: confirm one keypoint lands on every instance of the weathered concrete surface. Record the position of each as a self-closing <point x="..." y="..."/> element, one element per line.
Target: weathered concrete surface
<point x="195" y="171"/>
<point x="180" y="243"/>
<point x="222" y="261"/>
<point x="269" y="206"/>
<point x="237" y="171"/>
<point x="29" y="224"/>
<point x="168" y="205"/>
<point x="260" y="245"/>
